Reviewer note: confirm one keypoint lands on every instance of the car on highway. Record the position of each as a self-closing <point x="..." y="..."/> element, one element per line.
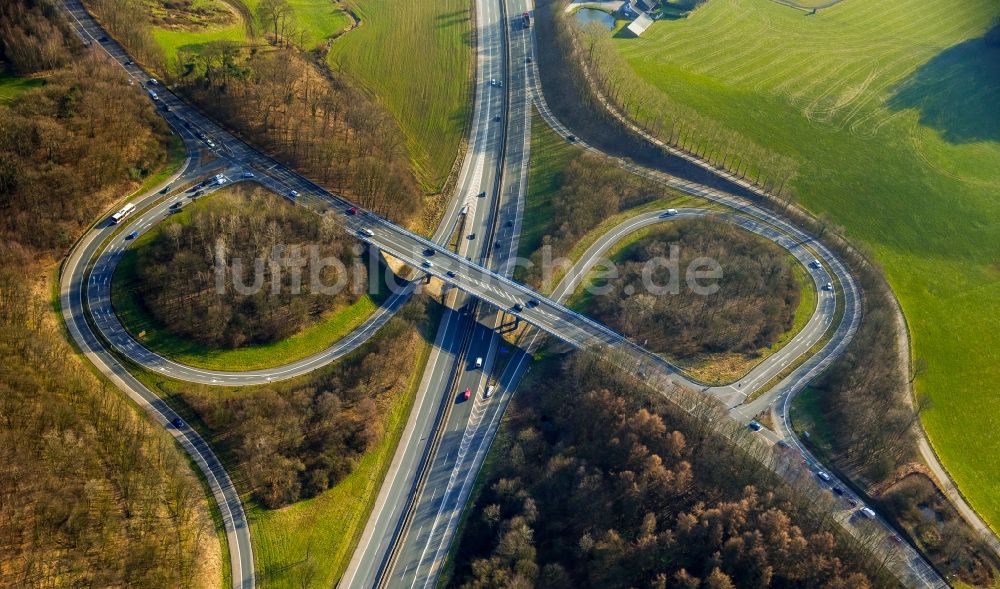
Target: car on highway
<point x="823" y="476"/>
<point x="670" y="213"/>
<point x="248" y="174"/>
<point x="197" y="193"/>
<point x="571" y="138"/>
<point x="368" y="232"/>
<point x="177" y="205"/>
<point x="482" y="194"/>
<point x="489" y="391"/>
<point x="496" y="119"/>
<point x="293" y="193"/>
<point x="867" y="512"/>
<point x="510" y="222"/>
<point x="479" y="362"/>
<point x="838" y="491"/>
<point x="755" y="425"/>
<point x="815" y="264"/>
<point x="527" y="59"/>
<point x="782" y="444"/>
<point x="153" y="82"/>
<point x="210" y="143"/>
<point x="852" y="501"/>
<point x="828" y="286"/>
<point x="517" y="307"/>
<point x="532" y="303"/>
<point x="127" y="62"/>
<point x="429" y="252"/>
<point x="428" y="264"/>
<point x="449" y="274"/>
<point x="132" y="235"/>
<point x="352" y="211"/>
<point x="104" y="39"/>
<point x="166" y="108"/>
<point x="466" y="394"/>
<point x="178" y="422"/>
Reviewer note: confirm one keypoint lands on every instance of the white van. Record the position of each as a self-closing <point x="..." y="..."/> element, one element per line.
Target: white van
<point x="479" y="362"/>
<point x="867" y="512"/>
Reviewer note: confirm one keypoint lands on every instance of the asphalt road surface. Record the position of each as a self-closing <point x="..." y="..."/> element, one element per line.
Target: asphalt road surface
<point x="474" y="271"/>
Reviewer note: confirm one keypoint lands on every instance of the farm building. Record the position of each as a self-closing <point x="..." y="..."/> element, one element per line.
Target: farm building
<point x="639" y="25"/>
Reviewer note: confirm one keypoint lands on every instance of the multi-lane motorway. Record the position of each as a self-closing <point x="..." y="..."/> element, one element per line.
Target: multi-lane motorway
<point x="445" y="441"/>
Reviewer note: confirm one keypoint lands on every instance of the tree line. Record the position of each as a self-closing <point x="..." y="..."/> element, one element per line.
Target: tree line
<point x="586" y="67"/>
<point x="178" y="272"/>
<point x="754" y="305"/>
<point x="594" y="484"/>
<point x="92" y="494"/>
<point x="865" y="400"/>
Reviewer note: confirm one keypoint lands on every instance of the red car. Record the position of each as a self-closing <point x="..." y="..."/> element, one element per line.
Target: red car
<point x="352" y="211"/>
<point x="466" y="394"/>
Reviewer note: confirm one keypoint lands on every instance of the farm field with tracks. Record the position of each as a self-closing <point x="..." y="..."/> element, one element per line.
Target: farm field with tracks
<point x="888" y="107"/>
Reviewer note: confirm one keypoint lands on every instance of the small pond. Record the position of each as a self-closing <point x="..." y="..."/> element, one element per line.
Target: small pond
<point x="589" y="15"/>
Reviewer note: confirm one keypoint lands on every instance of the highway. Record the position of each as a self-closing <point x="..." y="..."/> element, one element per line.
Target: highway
<point x="476" y="270"/>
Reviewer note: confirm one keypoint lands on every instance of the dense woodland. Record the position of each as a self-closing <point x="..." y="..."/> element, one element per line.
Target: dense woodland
<point x="753" y="306"/>
<point x="296" y="439"/>
<point x="178" y="271"/>
<point x="91" y="495"/>
<point x="335" y="134"/>
<point x="63" y="143"/>
<point x="593" y="485"/>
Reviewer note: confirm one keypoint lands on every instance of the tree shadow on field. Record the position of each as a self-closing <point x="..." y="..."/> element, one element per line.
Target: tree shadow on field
<point x="956" y="91"/>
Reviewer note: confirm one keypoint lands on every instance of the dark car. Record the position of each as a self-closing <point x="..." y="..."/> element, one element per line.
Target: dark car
<point x="496" y="119"/>
<point x="198" y="193"/>
<point x="128" y="62"/>
<point x="429" y="251"/>
<point x="533" y="303"/>
<point x="755" y="426"/>
<point x="178" y="422"/>
<point x="352" y="211"/>
<point x="510" y="223"/>
<point x="482" y="194"/>
<point x="132" y="235"/>
<point x="449" y="274"/>
<point x="782" y="444"/>
<point x="837" y="491"/>
<point x="518" y="308"/>
<point x="104" y="39"/>
<point x="527" y="59"/>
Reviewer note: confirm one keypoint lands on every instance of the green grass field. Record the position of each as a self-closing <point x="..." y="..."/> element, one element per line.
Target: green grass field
<point x="315" y="20"/>
<point x="313" y="339"/>
<point x="173" y="40"/>
<point x="415" y="56"/>
<point x="550" y="154"/>
<point x="889" y="107"/>
<point x="12" y="86"/>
